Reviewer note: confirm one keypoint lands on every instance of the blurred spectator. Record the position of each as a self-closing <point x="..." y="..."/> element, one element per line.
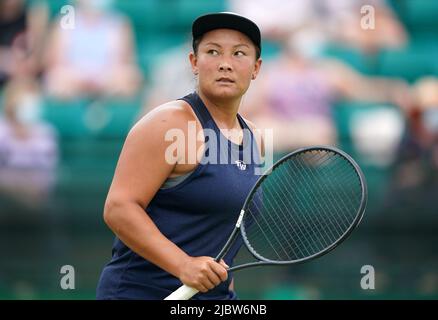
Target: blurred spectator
<point x="22" y="29"/>
<point x="325" y="21"/>
<point x="344" y="19"/>
<point x="418" y="158"/>
<point x="28" y="146"/>
<point x="426" y="128"/>
<point x="376" y="133"/>
<point x="296" y="91"/>
<point x="277" y="19"/>
<point x="96" y="57"/>
<point x="171" y="76"/>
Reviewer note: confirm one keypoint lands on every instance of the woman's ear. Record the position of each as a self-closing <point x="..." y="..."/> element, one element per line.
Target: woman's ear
<point x="194" y="63"/>
<point x="257" y="66"/>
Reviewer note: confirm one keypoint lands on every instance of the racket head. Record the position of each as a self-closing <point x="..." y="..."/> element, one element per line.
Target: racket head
<point x="311" y="160"/>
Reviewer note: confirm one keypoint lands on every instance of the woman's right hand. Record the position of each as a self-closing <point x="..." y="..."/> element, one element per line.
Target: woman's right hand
<point x="203" y="273"/>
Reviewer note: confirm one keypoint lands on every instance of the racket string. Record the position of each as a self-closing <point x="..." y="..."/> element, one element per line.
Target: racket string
<point x="281" y="189"/>
<point x="344" y="178"/>
<point x="305" y="216"/>
<point x="300" y="229"/>
<point x="291" y="237"/>
<point x="305" y="205"/>
<point x="269" y="224"/>
<point x="274" y="221"/>
<point x="268" y="238"/>
<point x="328" y="180"/>
<point x="329" y="187"/>
<point x="317" y="186"/>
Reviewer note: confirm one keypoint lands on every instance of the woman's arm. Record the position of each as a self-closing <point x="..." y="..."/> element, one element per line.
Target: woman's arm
<point x="141" y="170"/>
<point x="353" y="85"/>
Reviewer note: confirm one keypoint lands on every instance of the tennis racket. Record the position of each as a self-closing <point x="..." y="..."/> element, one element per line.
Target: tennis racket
<point x="306" y="206"/>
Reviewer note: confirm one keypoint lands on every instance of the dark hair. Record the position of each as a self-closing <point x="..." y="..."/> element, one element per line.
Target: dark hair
<point x="197" y="41"/>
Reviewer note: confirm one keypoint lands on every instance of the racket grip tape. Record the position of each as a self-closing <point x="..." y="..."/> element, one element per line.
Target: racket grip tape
<point x="182" y="293"/>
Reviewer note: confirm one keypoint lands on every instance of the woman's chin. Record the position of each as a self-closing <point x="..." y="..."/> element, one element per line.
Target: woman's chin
<point x="226" y="93"/>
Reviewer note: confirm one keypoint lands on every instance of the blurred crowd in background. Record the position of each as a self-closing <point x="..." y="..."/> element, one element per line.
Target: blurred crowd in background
<point x="76" y="75"/>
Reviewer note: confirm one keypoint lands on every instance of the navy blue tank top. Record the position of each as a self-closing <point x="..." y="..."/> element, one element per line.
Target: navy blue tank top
<point x="197" y="214"/>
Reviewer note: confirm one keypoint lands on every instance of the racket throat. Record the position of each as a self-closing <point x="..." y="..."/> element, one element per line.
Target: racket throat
<point x="239" y="221"/>
<point x="227" y="245"/>
<point x="250" y="265"/>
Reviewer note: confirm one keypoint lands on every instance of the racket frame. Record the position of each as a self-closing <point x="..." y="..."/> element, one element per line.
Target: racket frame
<point x="264" y="261"/>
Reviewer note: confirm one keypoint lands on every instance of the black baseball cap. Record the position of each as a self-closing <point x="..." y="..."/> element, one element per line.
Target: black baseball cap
<point x="226" y="20"/>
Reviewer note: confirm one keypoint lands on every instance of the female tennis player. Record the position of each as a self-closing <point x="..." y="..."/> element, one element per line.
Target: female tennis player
<point x="171" y="215"/>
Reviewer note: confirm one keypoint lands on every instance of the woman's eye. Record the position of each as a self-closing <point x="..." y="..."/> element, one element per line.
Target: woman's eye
<point x="213" y="52"/>
<point x="239" y="53"/>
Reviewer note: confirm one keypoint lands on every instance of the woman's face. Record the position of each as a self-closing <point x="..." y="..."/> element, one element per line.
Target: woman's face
<point x="225" y="63"/>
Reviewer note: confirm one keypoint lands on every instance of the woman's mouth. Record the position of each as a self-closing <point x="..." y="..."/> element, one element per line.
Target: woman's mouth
<point x="225" y="80"/>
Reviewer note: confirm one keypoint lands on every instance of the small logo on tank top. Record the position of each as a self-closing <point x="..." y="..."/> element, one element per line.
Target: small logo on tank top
<point x="240" y="164"/>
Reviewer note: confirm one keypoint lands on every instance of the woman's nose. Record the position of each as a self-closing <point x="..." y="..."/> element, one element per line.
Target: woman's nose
<point x="225" y="66"/>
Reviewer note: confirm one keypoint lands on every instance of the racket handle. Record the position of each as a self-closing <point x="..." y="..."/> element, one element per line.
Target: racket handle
<point x="182" y="293"/>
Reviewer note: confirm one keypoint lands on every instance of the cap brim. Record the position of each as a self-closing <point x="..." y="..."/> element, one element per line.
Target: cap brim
<point x="226" y="20"/>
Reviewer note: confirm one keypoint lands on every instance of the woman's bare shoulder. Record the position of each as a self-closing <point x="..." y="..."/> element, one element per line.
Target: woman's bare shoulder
<point x="171" y="115"/>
